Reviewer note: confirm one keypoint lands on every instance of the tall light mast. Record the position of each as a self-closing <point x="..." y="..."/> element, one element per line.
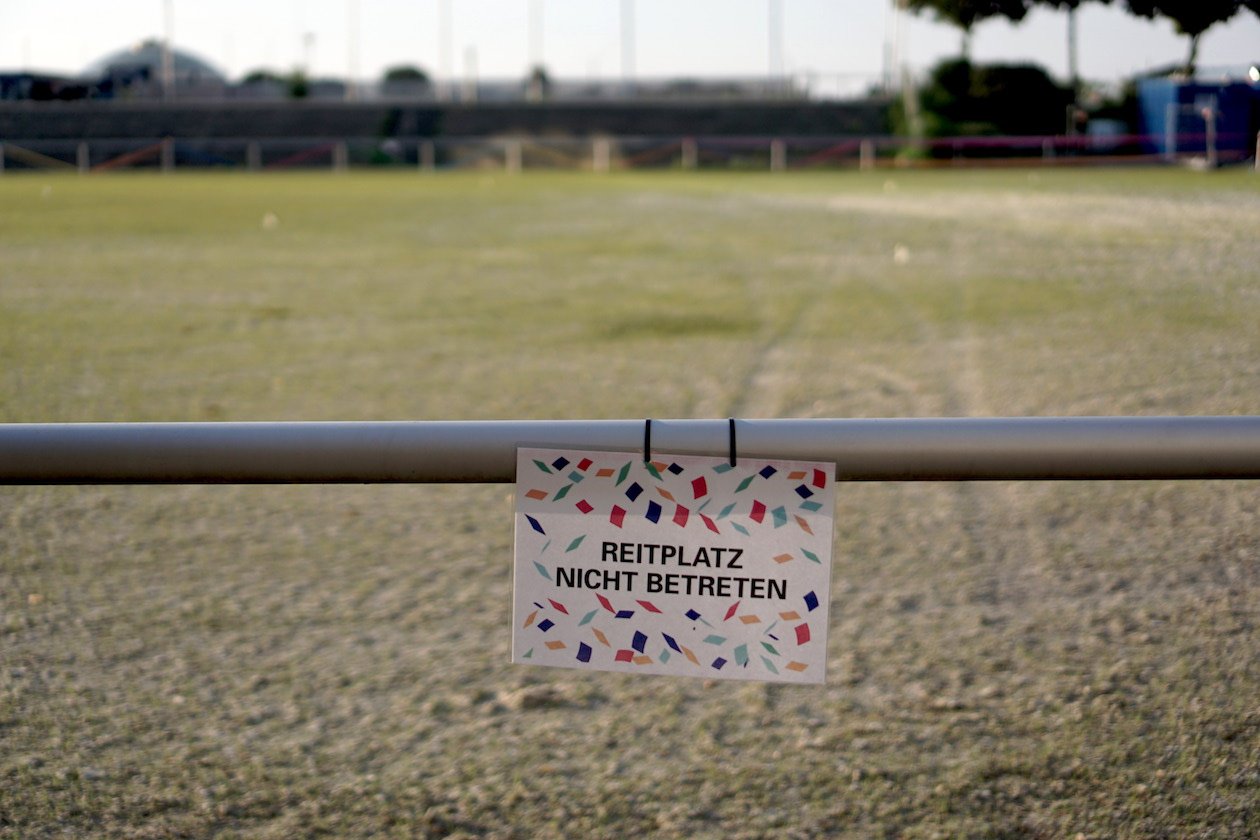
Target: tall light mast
<point x="774" y="37"/>
<point x="168" y="47"/>
<point x="352" y="50"/>
<point x="444" y="50"/>
<point x="535" y="34"/>
<point x="627" y="44"/>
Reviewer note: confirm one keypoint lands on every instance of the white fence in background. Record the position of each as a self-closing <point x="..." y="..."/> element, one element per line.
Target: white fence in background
<point x="606" y="153"/>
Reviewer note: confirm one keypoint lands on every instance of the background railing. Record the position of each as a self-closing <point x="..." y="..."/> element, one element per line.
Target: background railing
<point x="602" y="154"/>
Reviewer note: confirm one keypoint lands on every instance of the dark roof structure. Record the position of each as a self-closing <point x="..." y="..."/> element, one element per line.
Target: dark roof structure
<point x="138" y="71"/>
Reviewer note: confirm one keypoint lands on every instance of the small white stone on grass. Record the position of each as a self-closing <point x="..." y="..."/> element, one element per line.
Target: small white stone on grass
<point x="270" y="221"/>
<point x="901" y="254"/>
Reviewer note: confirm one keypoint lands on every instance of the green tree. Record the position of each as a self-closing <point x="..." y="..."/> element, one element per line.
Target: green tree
<point x="406" y="80"/>
<point x="406" y="73"/>
<point x="261" y="76"/>
<point x="299" y="85"/>
<point x="965" y="14"/>
<point x="1192" y="17"/>
<point x="963" y="99"/>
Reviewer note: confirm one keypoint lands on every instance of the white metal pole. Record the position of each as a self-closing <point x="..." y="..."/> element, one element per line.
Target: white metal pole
<point x="601" y="154"/>
<point x="168" y="46"/>
<point x="535" y="34"/>
<point x="778" y="155"/>
<point x="627" y="44"/>
<point x="898" y="72"/>
<point x="445" y="83"/>
<point x="352" y="51"/>
<point x="1209" y="120"/>
<point x="921" y="449"/>
<point x="774" y="38"/>
<point x="1171" y="111"/>
<point x="866" y="155"/>
<point x="470" y="74"/>
<point x="690" y="153"/>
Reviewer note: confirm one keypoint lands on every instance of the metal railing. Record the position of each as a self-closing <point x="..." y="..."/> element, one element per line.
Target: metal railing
<point x="926" y="449"/>
<point x="605" y="153"/>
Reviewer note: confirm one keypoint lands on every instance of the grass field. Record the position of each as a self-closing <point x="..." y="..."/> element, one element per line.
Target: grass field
<point x="1006" y="660"/>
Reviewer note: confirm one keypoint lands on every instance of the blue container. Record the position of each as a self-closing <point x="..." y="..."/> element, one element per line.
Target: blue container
<point x="1181" y="103"/>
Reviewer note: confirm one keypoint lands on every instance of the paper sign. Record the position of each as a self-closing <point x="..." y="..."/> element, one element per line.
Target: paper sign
<point x="684" y="566"/>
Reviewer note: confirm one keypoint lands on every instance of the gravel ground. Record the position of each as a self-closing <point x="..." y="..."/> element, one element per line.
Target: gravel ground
<point x="1006" y="659"/>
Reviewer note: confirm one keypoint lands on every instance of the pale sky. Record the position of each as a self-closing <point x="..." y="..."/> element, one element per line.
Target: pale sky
<point x="834" y="42"/>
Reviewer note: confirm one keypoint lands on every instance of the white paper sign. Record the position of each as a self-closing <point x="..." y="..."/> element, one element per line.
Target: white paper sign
<point x="685" y="565"/>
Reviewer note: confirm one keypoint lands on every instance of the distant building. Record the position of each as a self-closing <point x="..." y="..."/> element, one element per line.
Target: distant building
<point x="1181" y="116"/>
<point x="41" y="87"/>
<point x="147" y="71"/>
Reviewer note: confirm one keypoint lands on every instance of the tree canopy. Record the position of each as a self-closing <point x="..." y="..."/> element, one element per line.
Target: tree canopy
<point x="261" y="76"/>
<point x="965" y="14"/>
<point x="1192" y="17"/>
<point x="406" y="73"/>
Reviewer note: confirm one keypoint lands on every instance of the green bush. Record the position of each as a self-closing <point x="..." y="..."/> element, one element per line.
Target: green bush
<point x="963" y="99"/>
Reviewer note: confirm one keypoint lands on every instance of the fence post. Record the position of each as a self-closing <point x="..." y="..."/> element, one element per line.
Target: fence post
<point x="428" y="156"/>
<point x="168" y="154"/>
<point x="512" y="155"/>
<point x="82" y="157"/>
<point x="341" y="156"/>
<point x="1209" y="119"/>
<point x="1170" y="131"/>
<point x="690" y="153"/>
<point x="601" y="154"/>
<point x="1047" y="149"/>
<point x="253" y="156"/>
<point x="866" y="155"/>
<point x="778" y="155"/>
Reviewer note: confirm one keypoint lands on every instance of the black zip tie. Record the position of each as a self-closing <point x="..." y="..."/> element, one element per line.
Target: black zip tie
<point x="647" y="440"/>
<point x="732" y="422"/>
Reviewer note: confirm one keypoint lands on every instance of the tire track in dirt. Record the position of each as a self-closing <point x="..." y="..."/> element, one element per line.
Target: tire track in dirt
<point x="996" y="551"/>
<point x="994" y="515"/>
<point x="760" y="392"/>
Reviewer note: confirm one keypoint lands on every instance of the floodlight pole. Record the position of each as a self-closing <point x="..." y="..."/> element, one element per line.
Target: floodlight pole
<point x="352" y="50"/>
<point x="925" y="449"/>
<point x="445" y="87"/>
<point x="168" y="56"/>
<point x="627" y="44"/>
<point x="535" y="35"/>
<point x="774" y="39"/>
